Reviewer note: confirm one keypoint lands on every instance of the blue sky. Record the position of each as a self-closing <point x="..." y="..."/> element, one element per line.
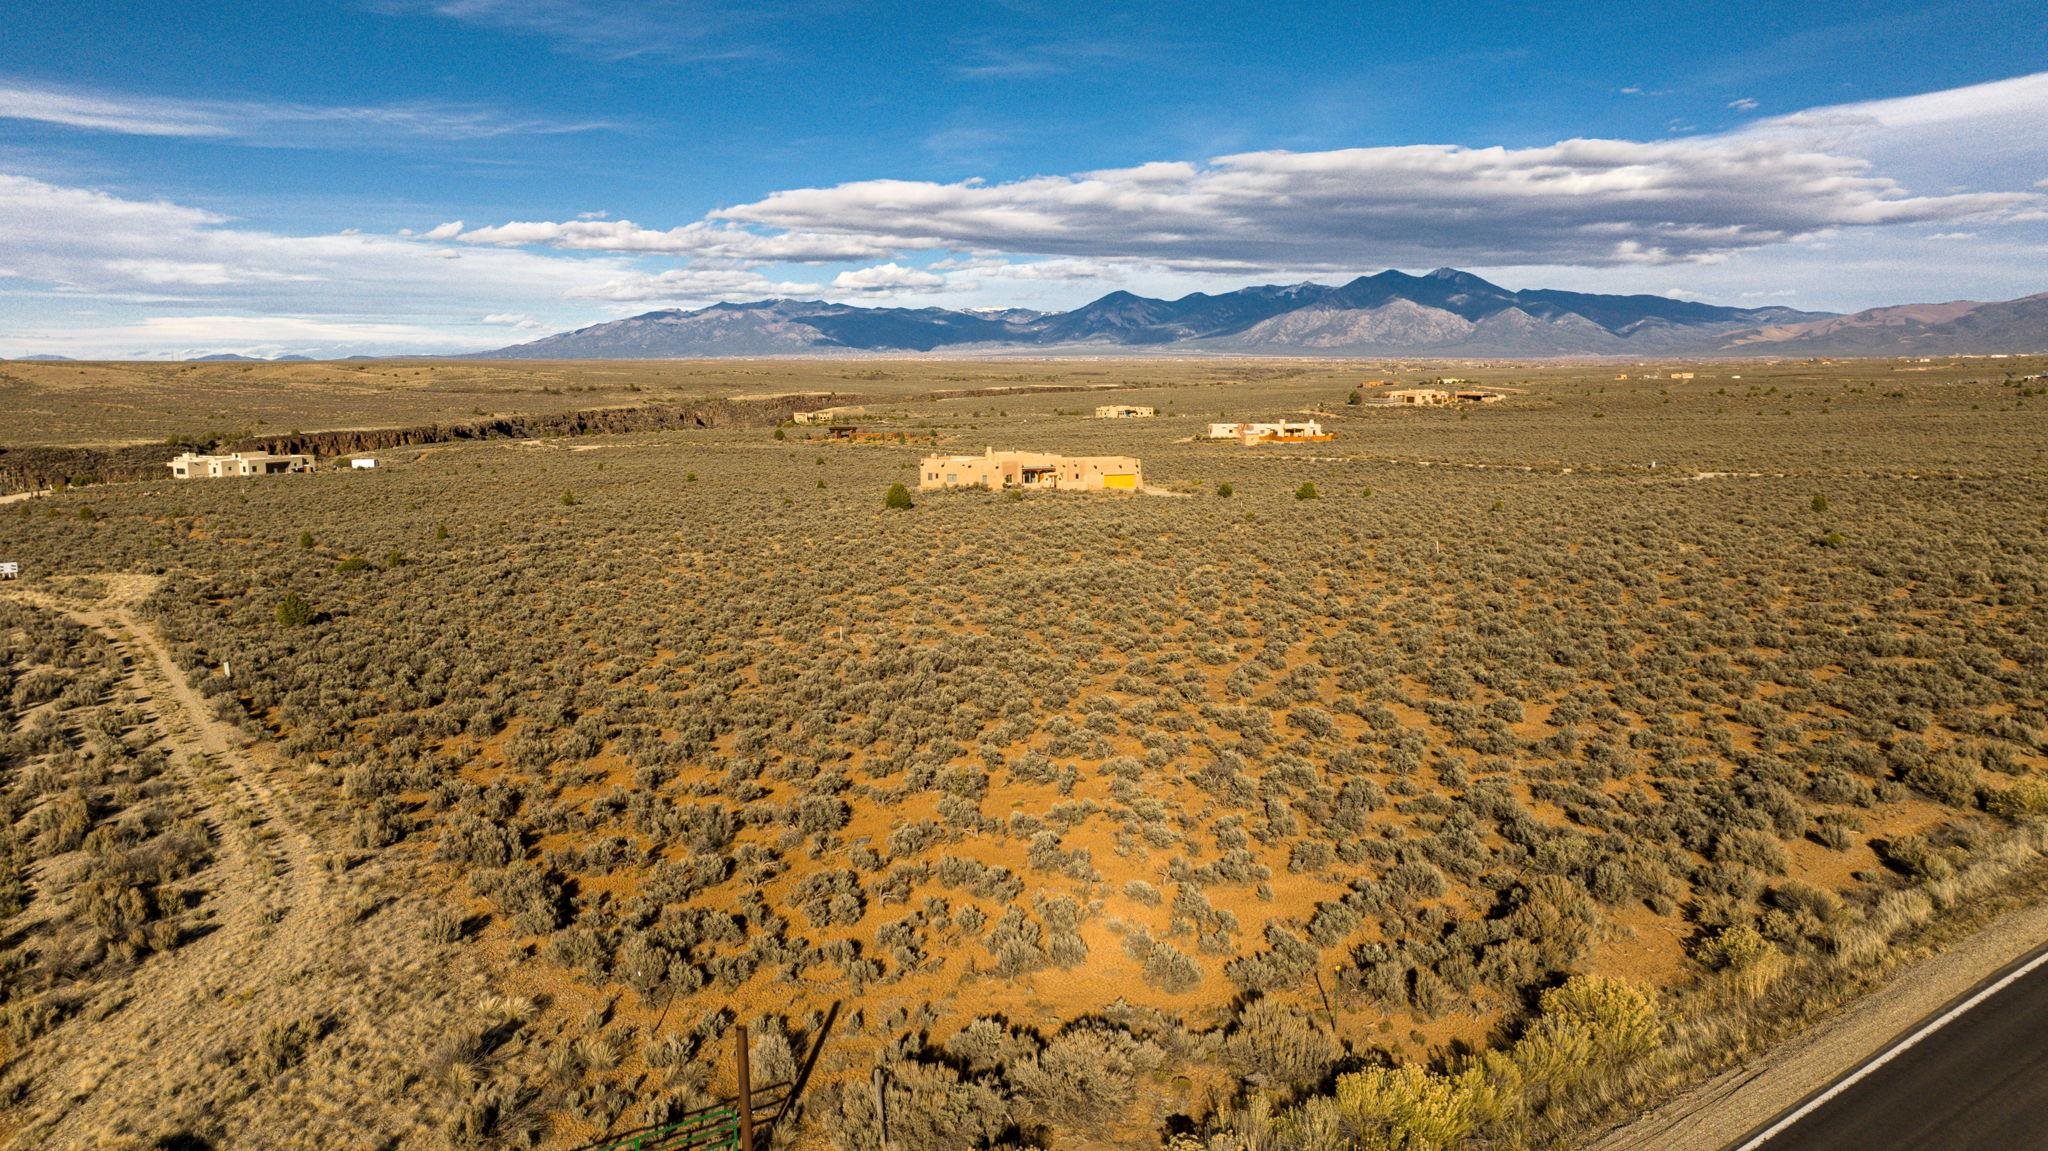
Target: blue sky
<point x="442" y="175"/>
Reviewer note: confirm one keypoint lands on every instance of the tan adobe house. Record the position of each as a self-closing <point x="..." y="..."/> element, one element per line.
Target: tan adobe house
<point x="1124" y="412"/>
<point x="1031" y="471"/>
<point x="1272" y="432"/>
<point x="1423" y="396"/>
<point x="827" y="415"/>
<point x="191" y="465"/>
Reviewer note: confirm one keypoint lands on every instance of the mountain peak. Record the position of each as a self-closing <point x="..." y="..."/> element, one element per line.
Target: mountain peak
<point x="1443" y="312"/>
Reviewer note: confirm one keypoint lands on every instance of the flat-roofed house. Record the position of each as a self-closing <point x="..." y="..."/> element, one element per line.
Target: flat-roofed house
<point x="1281" y="431"/>
<point x="1422" y="396"/>
<point x="1124" y="412"/>
<point x="827" y="415"/>
<point x="1224" y="431"/>
<point x="191" y="465"/>
<point x="1031" y="471"/>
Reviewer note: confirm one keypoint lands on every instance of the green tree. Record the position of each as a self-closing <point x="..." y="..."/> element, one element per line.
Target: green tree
<point x="305" y="541"/>
<point x="568" y="499"/>
<point x="1307" y="491"/>
<point x="294" y="611"/>
<point x="1819" y="503"/>
<point x="1355" y="398"/>
<point x="1224" y="490"/>
<point x="898" y="497"/>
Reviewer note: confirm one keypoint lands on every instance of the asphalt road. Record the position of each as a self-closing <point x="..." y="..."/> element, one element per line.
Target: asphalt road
<point x="1978" y="1083"/>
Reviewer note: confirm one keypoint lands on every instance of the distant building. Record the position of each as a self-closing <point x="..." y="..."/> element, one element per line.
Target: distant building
<point x="1124" y="412"/>
<point x="191" y="465"/>
<point x="1681" y="375"/>
<point x="841" y="432"/>
<point x="10" y="569"/>
<point x="1274" y="431"/>
<point x="362" y="464"/>
<point x="1031" y="471"/>
<point x="827" y="415"/>
<point x="1421" y="396"/>
<point x="1476" y="396"/>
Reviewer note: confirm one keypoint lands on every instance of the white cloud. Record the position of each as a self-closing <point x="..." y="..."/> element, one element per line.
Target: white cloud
<point x="180" y="337"/>
<point x="691" y="285"/>
<point x="273" y="124"/>
<point x="700" y="30"/>
<point x="82" y="256"/>
<point x="889" y="277"/>
<point x="447" y="231"/>
<point x="1582" y="202"/>
<point x="704" y="239"/>
<point x="1745" y="104"/>
<point x="1593" y="202"/>
<point x="518" y="320"/>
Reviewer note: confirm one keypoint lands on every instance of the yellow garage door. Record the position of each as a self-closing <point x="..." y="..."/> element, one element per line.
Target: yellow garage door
<point x="1120" y="481"/>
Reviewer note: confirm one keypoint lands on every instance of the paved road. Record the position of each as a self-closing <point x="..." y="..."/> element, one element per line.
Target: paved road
<point x="1978" y="1083"/>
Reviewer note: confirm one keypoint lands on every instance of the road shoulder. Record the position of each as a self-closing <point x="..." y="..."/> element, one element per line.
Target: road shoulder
<point x="1725" y="1109"/>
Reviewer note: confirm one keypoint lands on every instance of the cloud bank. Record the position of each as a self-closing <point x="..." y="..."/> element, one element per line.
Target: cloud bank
<point x="1582" y="202"/>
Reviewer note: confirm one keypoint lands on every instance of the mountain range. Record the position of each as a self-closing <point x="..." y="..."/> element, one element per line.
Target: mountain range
<point x="1444" y="313"/>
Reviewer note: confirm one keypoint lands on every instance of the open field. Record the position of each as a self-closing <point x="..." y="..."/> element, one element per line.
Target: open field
<point x="1545" y="758"/>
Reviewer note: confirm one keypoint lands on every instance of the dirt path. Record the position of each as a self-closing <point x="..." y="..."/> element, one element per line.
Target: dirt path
<point x="1720" y="1112"/>
<point x="269" y="902"/>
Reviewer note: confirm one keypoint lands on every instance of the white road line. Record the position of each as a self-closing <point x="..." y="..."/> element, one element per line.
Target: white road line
<point x="1934" y="1025"/>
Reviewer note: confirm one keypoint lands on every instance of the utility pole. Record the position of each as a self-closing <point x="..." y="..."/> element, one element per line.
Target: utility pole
<point x="746" y="1090"/>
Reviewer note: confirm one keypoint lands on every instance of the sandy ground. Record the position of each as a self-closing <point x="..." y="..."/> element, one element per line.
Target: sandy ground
<point x="1721" y="1111"/>
<point x="269" y="889"/>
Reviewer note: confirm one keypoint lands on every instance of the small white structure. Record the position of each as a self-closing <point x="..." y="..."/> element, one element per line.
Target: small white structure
<point x="191" y="465"/>
<point x="9" y="569"/>
<point x="1224" y="431"/>
<point x="1124" y="412"/>
<point x="362" y="464"/>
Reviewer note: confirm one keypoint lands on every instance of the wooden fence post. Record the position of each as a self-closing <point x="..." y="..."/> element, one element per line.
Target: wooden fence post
<point x="746" y="1091"/>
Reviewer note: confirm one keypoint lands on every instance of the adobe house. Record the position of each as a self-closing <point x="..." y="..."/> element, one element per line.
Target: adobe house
<point x="827" y="415"/>
<point x="1421" y="396"/>
<point x="1272" y="432"/>
<point x="1476" y="396"/>
<point x="10" y="569"/>
<point x="1031" y="471"/>
<point x="1124" y="412"/>
<point x="362" y="464"/>
<point x="191" y="465"/>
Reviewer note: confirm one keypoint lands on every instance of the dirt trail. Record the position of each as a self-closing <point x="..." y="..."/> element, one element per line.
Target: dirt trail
<point x="270" y="904"/>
